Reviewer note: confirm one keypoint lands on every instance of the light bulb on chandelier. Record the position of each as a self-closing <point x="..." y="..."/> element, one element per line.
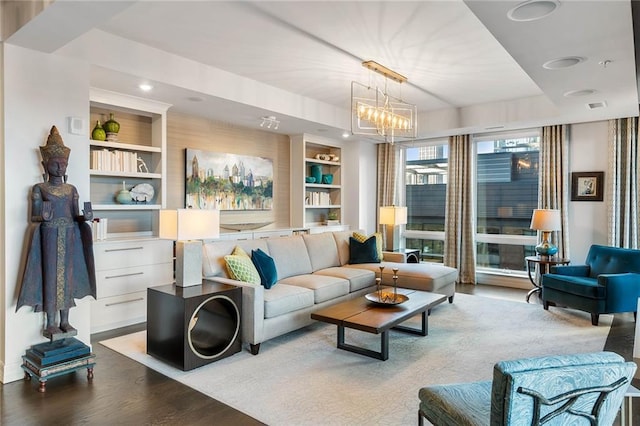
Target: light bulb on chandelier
<point x="382" y="117"/>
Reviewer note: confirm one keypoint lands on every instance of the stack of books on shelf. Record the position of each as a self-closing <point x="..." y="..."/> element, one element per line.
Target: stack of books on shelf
<point x="114" y="160"/>
<point x="99" y="228"/>
<point x="314" y="198"/>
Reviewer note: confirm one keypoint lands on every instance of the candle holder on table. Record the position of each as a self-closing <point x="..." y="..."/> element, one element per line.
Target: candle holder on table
<point x="385" y="296"/>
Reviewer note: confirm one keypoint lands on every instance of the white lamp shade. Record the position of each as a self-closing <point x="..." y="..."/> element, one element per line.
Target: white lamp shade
<point x="546" y="220"/>
<point x="189" y="224"/>
<point x="393" y="215"/>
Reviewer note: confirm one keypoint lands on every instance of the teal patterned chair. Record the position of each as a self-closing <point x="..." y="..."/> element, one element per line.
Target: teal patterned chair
<point x="582" y="389"/>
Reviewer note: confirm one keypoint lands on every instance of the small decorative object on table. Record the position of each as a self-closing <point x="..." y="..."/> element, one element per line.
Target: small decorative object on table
<point x="386" y="297"/>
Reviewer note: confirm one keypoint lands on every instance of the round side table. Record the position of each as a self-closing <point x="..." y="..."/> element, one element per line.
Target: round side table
<point x="544" y="263"/>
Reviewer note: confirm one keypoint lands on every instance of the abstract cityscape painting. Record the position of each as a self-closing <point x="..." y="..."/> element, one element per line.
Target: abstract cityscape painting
<point x="228" y="181"/>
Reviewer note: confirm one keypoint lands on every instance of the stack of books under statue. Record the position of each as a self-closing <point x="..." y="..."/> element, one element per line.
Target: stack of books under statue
<point x="55" y="358"/>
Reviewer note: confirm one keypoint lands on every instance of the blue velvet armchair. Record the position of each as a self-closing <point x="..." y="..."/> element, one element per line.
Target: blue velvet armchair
<point x="582" y="389"/>
<point x="608" y="282"/>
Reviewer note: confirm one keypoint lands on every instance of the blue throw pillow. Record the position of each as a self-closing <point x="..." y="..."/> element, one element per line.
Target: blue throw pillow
<point x="266" y="268"/>
<point x="365" y="252"/>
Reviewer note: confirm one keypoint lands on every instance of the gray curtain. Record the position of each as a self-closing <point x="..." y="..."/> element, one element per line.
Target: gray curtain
<point x="460" y="242"/>
<point x="622" y="184"/>
<point x="553" y="181"/>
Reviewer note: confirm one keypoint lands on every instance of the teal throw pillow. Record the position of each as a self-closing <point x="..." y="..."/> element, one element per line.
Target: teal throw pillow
<point x="266" y="268"/>
<point x="363" y="252"/>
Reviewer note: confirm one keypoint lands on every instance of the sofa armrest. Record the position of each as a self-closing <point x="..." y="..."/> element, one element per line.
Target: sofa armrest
<point x="252" y="309"/>
<point x="572" y="270"/>
<point x="622" y="291"/>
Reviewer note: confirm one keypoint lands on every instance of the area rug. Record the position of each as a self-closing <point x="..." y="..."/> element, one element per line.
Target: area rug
<point x="303" y="379"/>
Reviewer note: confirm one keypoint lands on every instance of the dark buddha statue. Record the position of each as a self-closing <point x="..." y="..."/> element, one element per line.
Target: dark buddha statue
<point x="60" y="265"/>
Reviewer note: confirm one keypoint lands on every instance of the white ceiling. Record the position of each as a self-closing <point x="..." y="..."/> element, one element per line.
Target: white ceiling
<point x="469" y="67"/>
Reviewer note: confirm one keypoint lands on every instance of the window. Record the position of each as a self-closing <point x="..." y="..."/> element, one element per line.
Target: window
<point x="425" y="192"/>
<point x="506" y="194"/>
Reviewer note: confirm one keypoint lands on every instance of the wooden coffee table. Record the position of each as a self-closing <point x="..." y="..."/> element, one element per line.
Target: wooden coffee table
<point x="361" y="314"/>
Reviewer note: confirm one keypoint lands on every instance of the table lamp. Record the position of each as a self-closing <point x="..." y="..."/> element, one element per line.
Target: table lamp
<point x="546" y="220"/>
<point x="188" y="227"/>
<point x="390" y="216"/>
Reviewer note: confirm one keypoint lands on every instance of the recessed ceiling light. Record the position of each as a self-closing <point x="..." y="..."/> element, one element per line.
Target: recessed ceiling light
<point x="576" y="93"/>
<point x="145" y="87"/>
<point x="345" y="135"/>
<point x="532" y="10"/>
<point x="596" y="105"/>
<point x="560" y="63"/>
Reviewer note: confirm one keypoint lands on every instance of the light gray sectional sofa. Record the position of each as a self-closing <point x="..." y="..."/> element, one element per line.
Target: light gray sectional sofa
<point x="313" y="272"/>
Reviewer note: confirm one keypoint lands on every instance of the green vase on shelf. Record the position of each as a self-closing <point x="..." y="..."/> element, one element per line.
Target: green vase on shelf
<point x="124" y="195"/>
<point x="112" y="127"/>
<point x="98" y="133"/>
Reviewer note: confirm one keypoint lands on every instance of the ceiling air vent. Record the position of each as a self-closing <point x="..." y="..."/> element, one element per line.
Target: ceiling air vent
<point x="595" y="105"/>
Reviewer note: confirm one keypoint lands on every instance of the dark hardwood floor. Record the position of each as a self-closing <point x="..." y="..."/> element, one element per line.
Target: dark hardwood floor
<point x="125" y="392"/>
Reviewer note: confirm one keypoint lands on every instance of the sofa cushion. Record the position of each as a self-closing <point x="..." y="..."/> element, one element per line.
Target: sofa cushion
<point x="322" y="249"/>
<point x="241" y="268"/>
<point x="213" y="252"/>
<point x="324" y="287"/>
<point x="283" y="298"/>
<point x="579" y="286"/>
<point x="358" y="278"/>
<point x="342" y="243"/>
<point x="362" y="238"/>
<point x="423" y="276"/>
<point x="266" y="268"/>
<point x="290" y="256"/>
<point x="363" y="252"/>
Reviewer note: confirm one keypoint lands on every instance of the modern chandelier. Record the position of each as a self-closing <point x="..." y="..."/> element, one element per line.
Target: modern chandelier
<point x="375" y="112"/>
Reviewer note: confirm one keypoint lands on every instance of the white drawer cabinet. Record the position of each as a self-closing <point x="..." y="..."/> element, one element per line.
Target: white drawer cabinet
<point x="123" y="254"/>
<point x="124" y="270"/>
<point x="272" y="234"/>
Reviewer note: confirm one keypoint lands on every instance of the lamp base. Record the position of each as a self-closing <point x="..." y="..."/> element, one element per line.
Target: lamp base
<point x="545" y="248"/>
<point x="188" y="263"/>
<point x="392" y="237"/>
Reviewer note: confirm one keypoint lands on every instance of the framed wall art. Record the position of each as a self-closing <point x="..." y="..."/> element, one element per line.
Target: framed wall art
<point x="587" y="186"/>
<point x="227" y="181"/>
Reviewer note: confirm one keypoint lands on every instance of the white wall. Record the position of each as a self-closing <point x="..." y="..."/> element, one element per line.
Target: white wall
<point x="588" y="152"/>
<point x="40" y="90"/>
<point x="359" y="184"/>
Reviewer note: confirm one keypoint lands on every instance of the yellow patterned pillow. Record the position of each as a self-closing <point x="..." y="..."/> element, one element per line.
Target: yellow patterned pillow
<point x="241" y="268"/>
<point x="362" y="238"/>
<point x="239" y="251"/>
